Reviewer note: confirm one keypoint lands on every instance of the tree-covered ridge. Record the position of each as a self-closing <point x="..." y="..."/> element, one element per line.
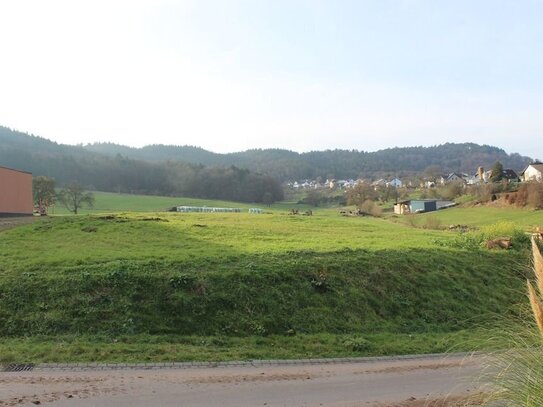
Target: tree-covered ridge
<point x="118" y="173"/>
<point x="147" y="172"/>
<point x="288" y="165"/>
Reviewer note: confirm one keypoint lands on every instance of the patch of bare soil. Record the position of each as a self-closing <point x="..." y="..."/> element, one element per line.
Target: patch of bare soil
<point x="37" y="390"/>
<point x="49" y="380"/>
<point x="252" y="378"/>
<point x="410" y="368"/>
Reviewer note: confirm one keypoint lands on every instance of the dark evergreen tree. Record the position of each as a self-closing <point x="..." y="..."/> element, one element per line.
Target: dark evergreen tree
<point x="497" y="172"/>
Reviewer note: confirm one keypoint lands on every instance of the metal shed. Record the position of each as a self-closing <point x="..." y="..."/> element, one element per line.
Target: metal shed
<point x="423" y="205"/>
<point x="15" y="192"/>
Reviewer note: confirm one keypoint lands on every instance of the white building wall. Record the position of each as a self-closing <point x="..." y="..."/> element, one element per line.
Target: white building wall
<point x="532" y="174"/>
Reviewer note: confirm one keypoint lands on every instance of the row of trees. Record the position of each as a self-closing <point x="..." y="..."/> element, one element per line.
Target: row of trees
<point x="73" y="196"/>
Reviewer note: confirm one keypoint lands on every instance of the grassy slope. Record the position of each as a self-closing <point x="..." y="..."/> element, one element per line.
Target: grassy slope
<point x="133" y="287"/>
<point x="484" y="215"/>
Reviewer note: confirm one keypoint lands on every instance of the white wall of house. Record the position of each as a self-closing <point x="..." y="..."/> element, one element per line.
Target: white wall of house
<point x="533" y="174"/>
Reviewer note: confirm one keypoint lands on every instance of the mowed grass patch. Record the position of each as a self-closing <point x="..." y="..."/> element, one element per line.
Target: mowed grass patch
<point x="59" y="242"/>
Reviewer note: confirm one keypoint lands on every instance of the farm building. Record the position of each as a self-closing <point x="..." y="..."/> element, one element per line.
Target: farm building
<point x="15" y="192"/>
<point x="421" y="205"/>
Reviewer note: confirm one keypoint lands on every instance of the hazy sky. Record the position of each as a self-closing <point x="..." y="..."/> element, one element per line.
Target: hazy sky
<point x="302" y="75"/>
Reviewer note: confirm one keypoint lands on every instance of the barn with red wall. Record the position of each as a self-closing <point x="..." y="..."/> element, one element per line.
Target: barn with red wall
<point x="15" y="192"/>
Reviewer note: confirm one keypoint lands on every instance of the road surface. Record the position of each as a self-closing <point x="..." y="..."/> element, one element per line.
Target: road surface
<point x="402" y="383"/>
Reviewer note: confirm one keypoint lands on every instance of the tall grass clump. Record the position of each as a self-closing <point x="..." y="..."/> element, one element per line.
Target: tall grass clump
<point x="477" y="239"/>
<point x="517" y="373"/>
<point x="432" y="223"/>
<point x="505" y="229"/>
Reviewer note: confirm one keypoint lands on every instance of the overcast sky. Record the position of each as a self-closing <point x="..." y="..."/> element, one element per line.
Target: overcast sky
<point x="303" y="75"/>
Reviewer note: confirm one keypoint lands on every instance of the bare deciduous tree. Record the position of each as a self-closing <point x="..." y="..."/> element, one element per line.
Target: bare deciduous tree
<point x="43" y="189"/>
<point x="74" y="197"/>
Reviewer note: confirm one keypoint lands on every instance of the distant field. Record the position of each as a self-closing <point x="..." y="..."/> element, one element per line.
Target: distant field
<point x="107" y="202"/>
<point x="113" y="202"/>
<point x="129" y="282"/>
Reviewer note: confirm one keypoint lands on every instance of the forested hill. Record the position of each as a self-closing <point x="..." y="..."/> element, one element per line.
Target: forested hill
<point x="153" y="169"/>
<point x="118" y="173"/>
<point x="288" y="165"/>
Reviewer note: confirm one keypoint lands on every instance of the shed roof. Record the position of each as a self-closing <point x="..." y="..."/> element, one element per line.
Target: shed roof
<point x="13" y="169"/>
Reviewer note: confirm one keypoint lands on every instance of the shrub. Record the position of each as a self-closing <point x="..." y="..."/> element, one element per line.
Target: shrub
<point x="511" y="198"/>
<point x="452" y="190"/>
<point x="370" y="208"/>
<point x="432" y="222"/>
<point x="530" y="194"/>
<point x="484" y="192"/>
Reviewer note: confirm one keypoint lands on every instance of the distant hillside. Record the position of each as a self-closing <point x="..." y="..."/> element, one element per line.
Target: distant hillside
<point x="288" y="165"/>
<point x="118" y="173"/>
<point x="108" y="166"/>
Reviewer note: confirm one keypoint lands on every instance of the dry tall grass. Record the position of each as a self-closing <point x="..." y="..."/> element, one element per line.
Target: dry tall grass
<point x="536" y="296"/>
<point x="517" y="373"/>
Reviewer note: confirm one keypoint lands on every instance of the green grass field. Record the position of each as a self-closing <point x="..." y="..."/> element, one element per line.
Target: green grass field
<point x="113" y="202"/>
<point x="128" y="282"/>
<point x="526" y="219"/>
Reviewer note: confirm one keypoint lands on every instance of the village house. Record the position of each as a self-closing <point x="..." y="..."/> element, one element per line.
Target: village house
<point x="473" y="179"/>
<point x="346" y="183"/>
<point x="395" y="183"/>
<point x="453" y="177"/>
<point x="534" y="172"/>
<point x="510" y="175"/>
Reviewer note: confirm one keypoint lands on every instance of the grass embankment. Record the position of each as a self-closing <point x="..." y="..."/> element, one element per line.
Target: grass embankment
<point x="235" y="286"/>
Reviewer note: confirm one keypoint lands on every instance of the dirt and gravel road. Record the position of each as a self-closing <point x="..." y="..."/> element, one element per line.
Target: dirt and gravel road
<point x="405" y="383"/>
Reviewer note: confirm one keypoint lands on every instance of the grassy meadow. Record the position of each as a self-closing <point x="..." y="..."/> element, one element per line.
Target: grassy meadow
<point x="113" y="202"/>
<point x="127" y="281"/>
<point x="477" y="216"/>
